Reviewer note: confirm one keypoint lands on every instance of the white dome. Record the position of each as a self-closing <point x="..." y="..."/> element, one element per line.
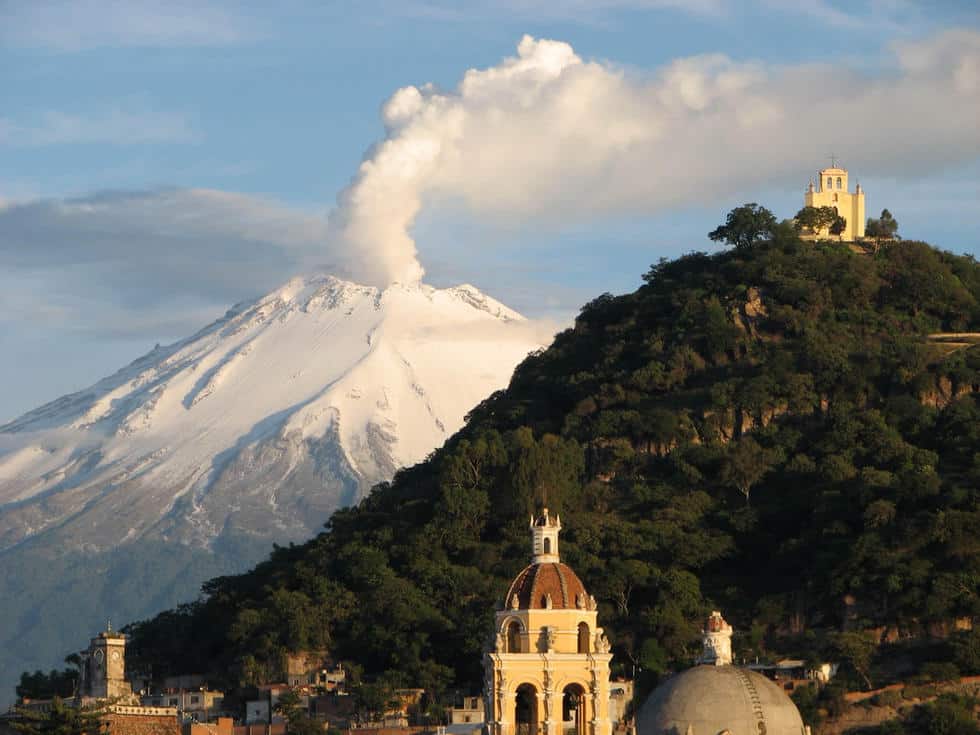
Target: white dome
<point x="709" y="700"/>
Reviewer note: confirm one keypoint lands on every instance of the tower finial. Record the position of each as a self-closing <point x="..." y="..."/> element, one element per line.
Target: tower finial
<point x="108" y="625"/>
<point x="833" y="161"/>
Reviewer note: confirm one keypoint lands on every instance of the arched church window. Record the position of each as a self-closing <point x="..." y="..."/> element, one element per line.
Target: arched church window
<point x="514" y="637"/>
<point x="839" y="182"/>
<point x="583" y="637"/>
<point x="830" y="183"/>
<point x="547" y="546"/>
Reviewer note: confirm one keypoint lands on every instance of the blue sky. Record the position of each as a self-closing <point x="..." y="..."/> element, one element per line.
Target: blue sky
<point x="162" y="160"/>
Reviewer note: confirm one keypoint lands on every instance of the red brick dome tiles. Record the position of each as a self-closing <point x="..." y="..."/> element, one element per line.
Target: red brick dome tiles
<point x="533" y="586"/>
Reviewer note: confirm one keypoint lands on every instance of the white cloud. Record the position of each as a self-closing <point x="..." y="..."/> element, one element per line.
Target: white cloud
<point x="548" y="136"/>
<point x="74" y="25"/>
<point x="114" y="126"/>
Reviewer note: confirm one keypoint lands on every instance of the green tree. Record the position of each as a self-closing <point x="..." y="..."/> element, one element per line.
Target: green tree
<point x="814" y="219"/>
<point x="373" y="699"/>
<point x="45" y="686"/>
<point x="745" y="226"/>
<point x="60" y="719"/>
<point x="948" y="715"/>
<point x="966" y="651"/>
<point x="746" y="464"/>
<point x="882" y="228"/>
<point x="298" y="720"/>
<point x="856" y="648"/>
<point x="838" y="226"/>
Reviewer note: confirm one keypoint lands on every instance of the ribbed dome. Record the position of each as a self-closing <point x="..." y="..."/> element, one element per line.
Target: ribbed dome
<point x="538" y="581"/>
<point x="712" y="699"/>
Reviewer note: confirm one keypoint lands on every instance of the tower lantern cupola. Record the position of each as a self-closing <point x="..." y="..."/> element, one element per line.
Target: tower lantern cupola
<point x="717" y="641"/>
<point x="544" y="538"/>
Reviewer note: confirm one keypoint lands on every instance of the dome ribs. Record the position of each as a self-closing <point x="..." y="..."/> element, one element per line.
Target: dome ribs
<point x="537" y="581"/>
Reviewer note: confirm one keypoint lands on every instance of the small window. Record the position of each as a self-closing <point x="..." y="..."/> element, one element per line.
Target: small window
<point x="830" y="183"/>
<point x="835" y="197"/>
<point x="547" y="546"/>
<point x="583" y="638"/>
<point x="839" y="182"/>
<point x="195" y="699"/>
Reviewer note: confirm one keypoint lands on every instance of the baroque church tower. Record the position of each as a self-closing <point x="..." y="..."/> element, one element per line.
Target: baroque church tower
<point x="832" y="190"/>
<point x="548" y="672"/>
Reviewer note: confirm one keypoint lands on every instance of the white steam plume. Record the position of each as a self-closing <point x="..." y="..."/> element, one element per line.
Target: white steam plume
<point x="548" y="135"/>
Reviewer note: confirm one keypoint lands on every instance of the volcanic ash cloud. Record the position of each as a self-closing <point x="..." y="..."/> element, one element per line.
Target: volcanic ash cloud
<point x="547" y="136"/>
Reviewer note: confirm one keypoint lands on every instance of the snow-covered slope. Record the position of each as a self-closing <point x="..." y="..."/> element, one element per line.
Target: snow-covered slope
<point x="255" y="428"/>
<point x="383" y="376"/>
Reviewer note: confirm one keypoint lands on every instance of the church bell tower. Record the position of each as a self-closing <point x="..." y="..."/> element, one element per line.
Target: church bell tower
<point x="104" y="667"/>
<point x="548" y="670"/>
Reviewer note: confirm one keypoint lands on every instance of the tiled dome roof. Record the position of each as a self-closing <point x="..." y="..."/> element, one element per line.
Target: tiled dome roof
<point x="537" y="581"/>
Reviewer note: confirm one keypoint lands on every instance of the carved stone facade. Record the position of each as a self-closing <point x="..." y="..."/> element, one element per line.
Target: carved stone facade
<point x="548" y="672"/>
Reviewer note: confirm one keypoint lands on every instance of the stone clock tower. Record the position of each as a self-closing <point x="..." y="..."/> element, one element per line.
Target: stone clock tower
<point x="548" y="670"/>
<point x="104" y="667"/>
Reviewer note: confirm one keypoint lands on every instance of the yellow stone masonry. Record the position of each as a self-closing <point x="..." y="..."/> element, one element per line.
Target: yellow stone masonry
<point x="548" y="670"/>
<point x="832" y="190"/>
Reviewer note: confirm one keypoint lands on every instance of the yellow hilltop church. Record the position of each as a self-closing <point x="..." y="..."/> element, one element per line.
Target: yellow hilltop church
<point x="832" y="190"/>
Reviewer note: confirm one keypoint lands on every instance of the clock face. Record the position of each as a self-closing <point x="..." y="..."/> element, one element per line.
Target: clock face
<point x="114" y="655"/>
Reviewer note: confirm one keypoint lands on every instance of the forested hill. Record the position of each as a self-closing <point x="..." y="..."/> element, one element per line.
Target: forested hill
<point x="768" y="431"/>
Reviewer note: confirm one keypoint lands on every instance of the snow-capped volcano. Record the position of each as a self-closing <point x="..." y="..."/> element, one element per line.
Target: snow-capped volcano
<point x="251" y="431"/>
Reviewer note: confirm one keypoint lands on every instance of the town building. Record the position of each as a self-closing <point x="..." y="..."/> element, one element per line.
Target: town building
<point x="547" y="672"/>
<point x="832" y="190"/>
<point x="620" y="698"/>
<point x="717" y="697"/>
<point x="104" y="689"/>
<point x="467" y="710"/>
<point x="199" y="703"/>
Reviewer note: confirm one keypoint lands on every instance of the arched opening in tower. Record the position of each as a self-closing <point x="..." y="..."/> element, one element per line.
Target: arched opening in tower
<point x="573" y="710"/>
<point x="514" y="637"/>
<point x="526" y="710"/>
<point x="583" y="637"/>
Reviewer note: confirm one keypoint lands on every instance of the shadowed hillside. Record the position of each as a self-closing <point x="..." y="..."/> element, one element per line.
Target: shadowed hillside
<point x="768" y="430"/>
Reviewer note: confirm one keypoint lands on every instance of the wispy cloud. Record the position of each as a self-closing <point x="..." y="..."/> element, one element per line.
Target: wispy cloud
<point x="159" y="257"/>
<point x="569" y="11"/>
<point x="114" y="126"/>
<point x="74" y="25"/>
<point x="879" y="18"/>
